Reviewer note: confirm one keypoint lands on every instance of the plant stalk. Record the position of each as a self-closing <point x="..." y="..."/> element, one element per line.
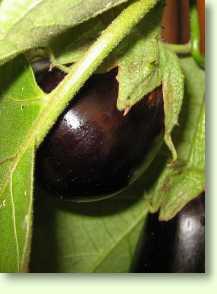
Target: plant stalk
<point x="60" y="97"/>
<point x="195" y="36"/>
<point x="182" y="49"/>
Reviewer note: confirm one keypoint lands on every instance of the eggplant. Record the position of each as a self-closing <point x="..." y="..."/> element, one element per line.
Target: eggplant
<point x="94" y="150"/>
<point x="175" y="246"/>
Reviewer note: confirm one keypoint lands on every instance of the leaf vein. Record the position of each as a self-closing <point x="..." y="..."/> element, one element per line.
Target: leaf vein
<point x="118" y="241"/>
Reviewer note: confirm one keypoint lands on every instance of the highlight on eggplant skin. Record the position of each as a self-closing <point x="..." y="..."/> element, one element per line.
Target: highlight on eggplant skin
<point x="176" y="246"/>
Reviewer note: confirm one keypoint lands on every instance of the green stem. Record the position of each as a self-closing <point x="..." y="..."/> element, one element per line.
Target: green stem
<point x="182" y="49"/>
<point x="54" y="63"/>
<point x="195" y="36"/>
<point x="81" y="71"/>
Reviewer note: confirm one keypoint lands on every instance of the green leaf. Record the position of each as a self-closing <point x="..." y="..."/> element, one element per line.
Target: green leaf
<point x="137" y="56"/>
<point x="19" y="106"/>
<point x="138" y="62"/>
<point x="96" y="237"/>
<point x="173" y="92"/>
<point x="182" y="181"/>
<point x="138" y="66"/>
<point x="182" y="186"/>
<point x="31" y="23"/>
<point x="137" y="75"/>
<point x="71" y="45"/>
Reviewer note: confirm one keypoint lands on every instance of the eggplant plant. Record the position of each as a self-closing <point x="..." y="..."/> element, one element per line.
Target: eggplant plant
<point x="102" y="123"/>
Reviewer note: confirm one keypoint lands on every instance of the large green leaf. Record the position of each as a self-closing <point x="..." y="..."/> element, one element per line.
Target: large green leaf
<point x="184" y="180"/>
<point x="33" y="23"/>
<point x="19" y="106"/>
<point x="97" y="237"/>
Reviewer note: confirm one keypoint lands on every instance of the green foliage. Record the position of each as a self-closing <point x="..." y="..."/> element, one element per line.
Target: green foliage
<point x="173" y="92"/>
<point x="178" y="183"/>
<point x="19" y="106"/>
<point x="71" y="45"/>
<point x="137" y="56"/>
<point x="103" y="236"/>
<point x="138" y="62"/>
<point x="27" y="24"/>
<point x="95" y="237"/>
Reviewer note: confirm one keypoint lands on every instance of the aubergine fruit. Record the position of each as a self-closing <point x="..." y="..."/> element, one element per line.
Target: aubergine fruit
<point x="94" y="150"/>
<point x="176" y="246"/>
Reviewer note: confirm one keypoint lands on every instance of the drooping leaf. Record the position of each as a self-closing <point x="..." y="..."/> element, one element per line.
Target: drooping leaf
<point x="173" y="92"/>
<point x="19" y="106"/>
<point x="138" y="64"/>
<point x="33" y="23"/>
<point x="182" y="181"/>
<point x="138" y="77"/>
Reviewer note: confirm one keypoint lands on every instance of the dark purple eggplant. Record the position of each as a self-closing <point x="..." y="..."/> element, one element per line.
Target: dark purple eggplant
<point x="95" y="150"/>
<point x="176" y="246"/>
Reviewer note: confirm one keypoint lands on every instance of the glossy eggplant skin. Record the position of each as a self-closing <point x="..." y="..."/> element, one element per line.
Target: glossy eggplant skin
<point x="176" y="246"/>
<point x="94" y="149"/>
